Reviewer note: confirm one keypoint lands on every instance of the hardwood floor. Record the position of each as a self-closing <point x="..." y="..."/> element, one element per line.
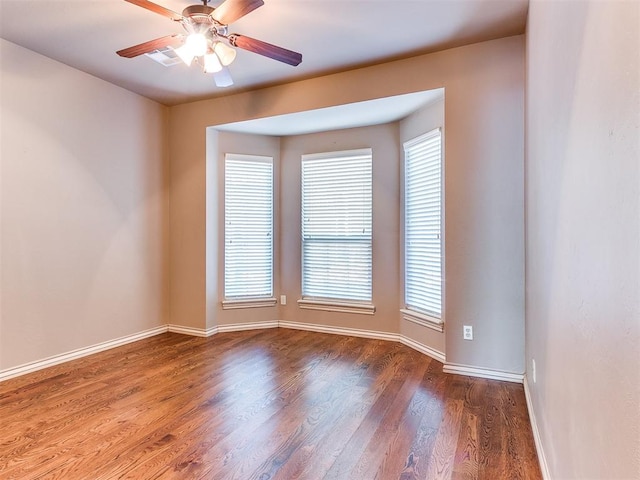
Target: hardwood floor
<point x="264" y="404"/>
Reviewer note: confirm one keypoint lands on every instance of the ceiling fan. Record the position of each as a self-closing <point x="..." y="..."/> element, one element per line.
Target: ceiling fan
<point x="207" y="39"/>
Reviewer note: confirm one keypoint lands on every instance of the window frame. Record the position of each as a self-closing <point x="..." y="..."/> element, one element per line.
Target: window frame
<point x="257" y="299"/>
<point x="310" y="299"/>
<point x="413" y="313"/>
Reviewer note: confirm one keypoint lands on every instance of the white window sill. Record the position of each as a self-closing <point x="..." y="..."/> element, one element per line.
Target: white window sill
<point x="422" y="319"/>
<point x="248" y="303"/>
<point x="336" y="306"/>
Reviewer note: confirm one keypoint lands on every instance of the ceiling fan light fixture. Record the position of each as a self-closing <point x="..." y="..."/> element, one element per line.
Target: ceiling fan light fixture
<point x="225" y="53"/>
<point x="197" y="44"/>
<point x="184" y="52"/>
<point x="211" y="63"/>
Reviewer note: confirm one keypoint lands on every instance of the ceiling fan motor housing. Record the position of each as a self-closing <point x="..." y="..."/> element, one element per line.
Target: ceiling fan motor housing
<point x="197" y="19"/>
<point x="198" y="13"/>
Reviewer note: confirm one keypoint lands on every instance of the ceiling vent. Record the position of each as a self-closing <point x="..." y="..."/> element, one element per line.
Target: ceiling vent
<point x="165" y="56"/>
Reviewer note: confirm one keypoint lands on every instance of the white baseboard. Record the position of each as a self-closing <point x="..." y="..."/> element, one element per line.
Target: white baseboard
<point x="482" y="373"/>
<point x="232" y="327"/>
<point x="239" y="327"/>
<point x="424" y="349"/>
<point x="192" y="331"/>
<point x="351" y="332"/>
<point x="544" y="467"/>
<point x="79" y="353"/>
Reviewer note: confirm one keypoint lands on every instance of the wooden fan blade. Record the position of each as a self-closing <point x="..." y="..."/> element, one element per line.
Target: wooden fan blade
<point x="266" y="49"/>
<point x="223" y="78"/>
<point x="232" y="10"/>
<point x="150" y="46"/>
<point x="156" y="9"/>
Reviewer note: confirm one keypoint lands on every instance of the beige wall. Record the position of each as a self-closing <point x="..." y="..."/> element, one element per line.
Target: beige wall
<point x="583" y="236"/>
<point x="83" y="222"/>
<point x="484" y="190"/>
<point x="121" y="223"/>
<point x="484" y="201"/>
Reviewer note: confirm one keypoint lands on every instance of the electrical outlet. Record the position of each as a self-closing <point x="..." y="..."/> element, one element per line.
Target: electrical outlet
<point x="533" y="370"/>
<point x="467" y="332"/>
<point x="283" y="299"/>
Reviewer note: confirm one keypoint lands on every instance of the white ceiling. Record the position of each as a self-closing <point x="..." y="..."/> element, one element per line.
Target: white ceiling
<point x="360" y="114"/>
<point x="332" y="35"/>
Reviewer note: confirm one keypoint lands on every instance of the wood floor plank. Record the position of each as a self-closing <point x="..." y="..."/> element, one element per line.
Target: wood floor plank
<point x="444" y="451"/>
<point x="394" y="425"/>
<point x="354" y="448"/>
<point x="516" y="419"/>
<point x="291" y="428"/>
<point x="264" y="404"/>
<point x="418" y="455"/>
<point x="317" y="453"/>
<point x="466" y="461"/>
<point x="395" y="461"/>
<point x="491" y="452"/>
<point x="288" y="462"/>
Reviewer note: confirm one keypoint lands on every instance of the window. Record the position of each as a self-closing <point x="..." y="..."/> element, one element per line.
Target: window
<point x="336" y="231"/>
<point x="248" y="233"/>
<point x="423" y="230"/>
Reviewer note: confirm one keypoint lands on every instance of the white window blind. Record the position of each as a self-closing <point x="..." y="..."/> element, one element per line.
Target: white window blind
<point x="423" y="224"/>
<point x="248" y="233"/>
<point x="336" y="225"/>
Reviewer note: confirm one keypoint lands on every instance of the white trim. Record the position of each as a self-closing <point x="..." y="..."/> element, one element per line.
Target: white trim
<point x="422" y="137"/>
<point x="249" y="158"/>
<point x="542" y="459"/>
<point x="194" y="332"/>
<point x="424" y="349"/>
<point x="79" y="353"/>
<point x="423" y="320"/>
<point x="482" y="373"/>
<point x="248" y="303"/>
<point x="238" y="327"/>
<point x="357" y="152"/>
<point x="352" y="332"/>
<point x="336" y="306"/>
